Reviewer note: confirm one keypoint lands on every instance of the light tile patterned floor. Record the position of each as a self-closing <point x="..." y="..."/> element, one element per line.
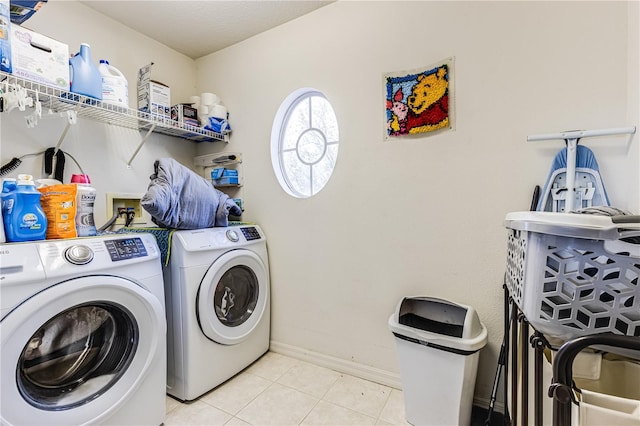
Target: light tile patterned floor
<point x="278" y="390"/>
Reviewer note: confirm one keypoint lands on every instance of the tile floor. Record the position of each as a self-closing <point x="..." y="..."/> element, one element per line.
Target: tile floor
<point x="279" y="390"/>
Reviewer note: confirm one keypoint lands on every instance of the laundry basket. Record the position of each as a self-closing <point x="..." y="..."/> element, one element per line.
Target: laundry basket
<point x="575" y="274"/>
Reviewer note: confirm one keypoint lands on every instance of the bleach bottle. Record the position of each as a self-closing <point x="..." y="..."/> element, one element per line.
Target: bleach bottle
<point x="22" y="214"/>
<point x="115" y="88"/>
<point x="84" y="75"/>
<point x="85" y="199"/>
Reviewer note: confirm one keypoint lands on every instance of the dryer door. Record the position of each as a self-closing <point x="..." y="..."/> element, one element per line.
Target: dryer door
<point x="74" y="352"/>
<point x="232" y="297"/>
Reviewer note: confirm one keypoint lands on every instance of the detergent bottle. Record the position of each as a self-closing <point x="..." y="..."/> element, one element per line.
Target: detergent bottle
<point x="85" y="199"/>
<point x="7" y="198"/>
<point x="115" y="88"/>
<point x="84" y="75"/>
<point x="22" y="214"/>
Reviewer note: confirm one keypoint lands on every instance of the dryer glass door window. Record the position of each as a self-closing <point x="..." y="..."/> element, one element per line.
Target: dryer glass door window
<point x="236" y="296"/>
<point x="232" y="297"/>
<point x="77" y="355"/>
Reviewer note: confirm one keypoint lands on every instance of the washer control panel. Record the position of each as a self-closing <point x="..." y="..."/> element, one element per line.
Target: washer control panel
<point x="251" y="233"/>
<point x="125" y="248"/>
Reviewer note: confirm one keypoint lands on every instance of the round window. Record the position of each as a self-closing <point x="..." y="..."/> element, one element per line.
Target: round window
<point x="304" y="143"/>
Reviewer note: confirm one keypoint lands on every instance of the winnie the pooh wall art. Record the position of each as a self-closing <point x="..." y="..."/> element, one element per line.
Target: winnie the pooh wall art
<point x="419" y="102"/>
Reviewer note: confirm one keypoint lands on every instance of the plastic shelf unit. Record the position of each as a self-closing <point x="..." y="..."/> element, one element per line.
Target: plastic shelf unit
<point x="230" y="160"/>
<point x="61" y="101"/>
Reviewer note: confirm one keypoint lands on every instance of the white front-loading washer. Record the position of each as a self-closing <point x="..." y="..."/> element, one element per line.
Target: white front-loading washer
<point x="218" y="307"/>
<point x="82" y="332"/>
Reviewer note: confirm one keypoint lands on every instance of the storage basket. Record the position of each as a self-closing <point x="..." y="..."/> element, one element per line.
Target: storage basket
<point x="575" y="274"/>
<point x="608" y="389"/>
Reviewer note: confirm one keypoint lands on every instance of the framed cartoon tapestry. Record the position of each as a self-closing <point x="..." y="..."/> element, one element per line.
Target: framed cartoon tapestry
<point x="419" y="102"/>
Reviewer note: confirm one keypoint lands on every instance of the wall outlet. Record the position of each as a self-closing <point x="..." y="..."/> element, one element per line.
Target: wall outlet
<point x="119" y="203"/>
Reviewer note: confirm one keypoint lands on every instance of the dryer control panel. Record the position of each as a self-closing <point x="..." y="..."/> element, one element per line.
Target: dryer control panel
<point x="251" y="233"/>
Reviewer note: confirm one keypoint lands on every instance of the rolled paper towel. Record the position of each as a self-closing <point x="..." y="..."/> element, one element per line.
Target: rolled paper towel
<point x="209" y="99"/>
<point x="219" y="111"/>
<point x="203" y="110"/>
<point x="195" y="100"/>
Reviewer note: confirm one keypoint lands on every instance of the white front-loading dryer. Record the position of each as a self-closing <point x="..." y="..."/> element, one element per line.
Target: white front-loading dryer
<point x="82" y="332"/>
<point x="218" y="307"/>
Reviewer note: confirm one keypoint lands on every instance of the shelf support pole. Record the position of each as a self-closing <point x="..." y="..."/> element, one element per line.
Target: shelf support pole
<point x="144" y="139"/>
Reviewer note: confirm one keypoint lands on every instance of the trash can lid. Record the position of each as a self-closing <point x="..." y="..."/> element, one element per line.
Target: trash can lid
<point x="439" y="322"/>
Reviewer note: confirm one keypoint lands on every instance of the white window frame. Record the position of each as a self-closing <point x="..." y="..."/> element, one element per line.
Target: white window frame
<point x="277" y="137"/>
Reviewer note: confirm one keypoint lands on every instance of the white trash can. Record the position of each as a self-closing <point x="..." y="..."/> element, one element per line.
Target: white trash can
<point x="438" y="343"/>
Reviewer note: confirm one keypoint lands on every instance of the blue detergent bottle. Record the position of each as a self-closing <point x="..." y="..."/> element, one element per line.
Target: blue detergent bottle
<point x="22" y="214"/>
<point x="7" y="198"/>
<point x="8" y="185"/>
<point x="84" y="74"/>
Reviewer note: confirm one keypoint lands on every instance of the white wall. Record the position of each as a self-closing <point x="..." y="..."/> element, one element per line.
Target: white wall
<point x="102" y="150"/>
<point x="425" y="215"/>
<point x="412" y="216"/>
<point x="633" y="102"/>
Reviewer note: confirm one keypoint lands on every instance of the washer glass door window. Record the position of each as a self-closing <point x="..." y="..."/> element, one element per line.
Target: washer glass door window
<point x="86" y="342"/>
<point x="75" y="352"/>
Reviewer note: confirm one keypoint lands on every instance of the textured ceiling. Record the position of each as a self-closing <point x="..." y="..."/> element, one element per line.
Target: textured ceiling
<point x="198" y="28"/>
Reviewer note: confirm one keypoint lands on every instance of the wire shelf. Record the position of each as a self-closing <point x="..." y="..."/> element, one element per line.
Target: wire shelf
<point x="59" y="100"/>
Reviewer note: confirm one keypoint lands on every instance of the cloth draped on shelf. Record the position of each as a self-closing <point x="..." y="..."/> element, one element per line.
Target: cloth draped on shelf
<point x="179" y="198"/>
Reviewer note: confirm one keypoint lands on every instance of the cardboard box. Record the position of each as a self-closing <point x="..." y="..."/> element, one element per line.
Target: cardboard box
<point x="39" y="58"/>
<point x="153" y="96"/>
<point x="5" y="42"/>
<point x="185" y="113"/>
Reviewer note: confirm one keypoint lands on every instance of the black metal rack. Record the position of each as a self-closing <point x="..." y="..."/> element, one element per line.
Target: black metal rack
<point x="561" y="390"/>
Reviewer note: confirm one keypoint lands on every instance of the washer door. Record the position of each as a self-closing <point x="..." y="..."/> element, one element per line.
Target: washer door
<point x="76" y="351"/>
<point x="232" y="297"/>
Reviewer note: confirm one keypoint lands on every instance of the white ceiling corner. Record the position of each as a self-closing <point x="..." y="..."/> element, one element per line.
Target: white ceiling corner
<point x="199" y="27"/>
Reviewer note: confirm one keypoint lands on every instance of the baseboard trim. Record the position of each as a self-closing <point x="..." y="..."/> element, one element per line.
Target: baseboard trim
<point x="484" y="403"/>
<point x="362" y="371"/>
<point x="343" y="366"/>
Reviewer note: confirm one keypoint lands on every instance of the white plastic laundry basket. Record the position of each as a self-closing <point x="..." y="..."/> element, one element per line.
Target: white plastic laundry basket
<point x="575" y="274"/>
